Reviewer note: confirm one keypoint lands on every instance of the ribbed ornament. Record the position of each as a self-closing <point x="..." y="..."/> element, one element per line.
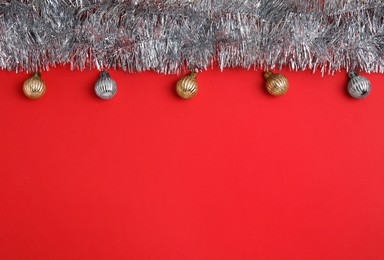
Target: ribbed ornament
<point x="105" y="87"/>
<point x="34" y="87"/>
<point x="358" y="86"/>
<point x="187" y="86"/>
<point x="277" y="84"/>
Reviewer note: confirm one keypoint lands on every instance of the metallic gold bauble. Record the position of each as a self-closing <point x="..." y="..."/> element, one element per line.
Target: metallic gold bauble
<point x="187" y="86"/>
<point x="277" y="84"/>
<point x="105" y="87"/>
<point x="34" y="87"/>
<point x="358" y="86"/>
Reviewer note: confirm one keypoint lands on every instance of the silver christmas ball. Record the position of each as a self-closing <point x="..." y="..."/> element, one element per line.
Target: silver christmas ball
<point x="105" y="87"/>
<point x="358" y="86"/>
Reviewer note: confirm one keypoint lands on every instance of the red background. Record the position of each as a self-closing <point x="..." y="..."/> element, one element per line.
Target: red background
<point x="231" y="174"/>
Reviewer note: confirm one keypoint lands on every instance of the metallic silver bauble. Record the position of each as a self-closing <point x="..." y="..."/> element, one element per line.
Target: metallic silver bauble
<point x="105" y="87"/>
<point x="187" y="86"/>
<point x="277" y="84"/>
<point x="34" y="87"/>
<point x="358" y="86"/>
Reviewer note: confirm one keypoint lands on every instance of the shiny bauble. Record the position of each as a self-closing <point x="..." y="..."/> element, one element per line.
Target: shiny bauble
<point x="105" y="87"/>
<point x="187" y="86"/>
<point x="358" y="86"/>
<point x="34" y="87"/>
<point x="277" y="84"/>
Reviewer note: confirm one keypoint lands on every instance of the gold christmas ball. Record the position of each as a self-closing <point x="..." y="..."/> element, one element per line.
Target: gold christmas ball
<point x="187" y="86"/>
<point x="34" y="87"/>
<point x="105" y="87"/>
<point x="277" y="84"/>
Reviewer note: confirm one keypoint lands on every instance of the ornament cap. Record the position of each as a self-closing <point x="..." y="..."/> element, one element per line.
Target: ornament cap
<point x="104" y="74"/>
<point x="37" y="74"/>
<point x="353" y="74"/>
<point x="267" y="74"/>
<point x="193" y="75"/>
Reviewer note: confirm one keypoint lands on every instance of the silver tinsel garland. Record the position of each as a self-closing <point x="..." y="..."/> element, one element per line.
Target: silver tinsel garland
<point x="170" y="36"/>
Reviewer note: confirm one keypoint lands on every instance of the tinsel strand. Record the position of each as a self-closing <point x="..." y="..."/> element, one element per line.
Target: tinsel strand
<point x="171" y="36"/>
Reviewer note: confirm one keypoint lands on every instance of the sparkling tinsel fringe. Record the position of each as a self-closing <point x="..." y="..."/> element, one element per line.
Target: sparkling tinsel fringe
<point x="170" y="36"/>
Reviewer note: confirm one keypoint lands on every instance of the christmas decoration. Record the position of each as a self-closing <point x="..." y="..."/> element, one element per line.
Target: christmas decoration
<point x="187" y="86"/>
<point x="105" y="87"/>
<point x="358" y="86"/>
<point x="178" y="35"/>
<point x="276" y="84"/>
<point x="34" y="87"/>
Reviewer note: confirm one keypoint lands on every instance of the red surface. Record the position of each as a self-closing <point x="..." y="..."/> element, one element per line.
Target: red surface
<point x="232" y="174"/>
